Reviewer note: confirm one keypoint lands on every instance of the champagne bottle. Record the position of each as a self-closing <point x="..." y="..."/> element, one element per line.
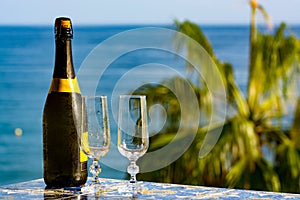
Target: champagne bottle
<point x="64" y="164"/>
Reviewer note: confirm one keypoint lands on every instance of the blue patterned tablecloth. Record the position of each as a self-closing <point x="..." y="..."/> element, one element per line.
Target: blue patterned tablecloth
<point x="35" y="189"/>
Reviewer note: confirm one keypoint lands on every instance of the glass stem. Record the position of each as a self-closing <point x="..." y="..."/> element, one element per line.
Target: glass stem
<point x="95" y="169"/>
<point x="133" y="169"/>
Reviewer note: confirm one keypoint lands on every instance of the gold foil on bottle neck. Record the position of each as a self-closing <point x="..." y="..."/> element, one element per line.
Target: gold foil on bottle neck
<point x="66" y="24"/>
<point x="63" y="28"/>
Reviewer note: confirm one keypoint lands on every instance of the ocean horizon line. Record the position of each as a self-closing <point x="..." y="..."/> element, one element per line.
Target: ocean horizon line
<point x="144" y="24"/>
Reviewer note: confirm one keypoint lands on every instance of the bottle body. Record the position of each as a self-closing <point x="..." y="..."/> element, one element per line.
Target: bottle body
<point x="64" y="164"/>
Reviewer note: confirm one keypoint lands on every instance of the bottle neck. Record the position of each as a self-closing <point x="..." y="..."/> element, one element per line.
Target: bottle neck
<point x="63" y="67"/>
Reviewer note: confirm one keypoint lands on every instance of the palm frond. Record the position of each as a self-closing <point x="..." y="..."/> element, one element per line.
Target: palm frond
<point x="266" y="16"/>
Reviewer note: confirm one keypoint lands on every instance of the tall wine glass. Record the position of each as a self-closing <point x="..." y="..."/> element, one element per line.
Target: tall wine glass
<point x="133" y="140"/>
<point x="94" y="140"/>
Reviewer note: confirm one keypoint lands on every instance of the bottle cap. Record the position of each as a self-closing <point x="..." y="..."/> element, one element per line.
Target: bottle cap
<point x="63" y="28"/>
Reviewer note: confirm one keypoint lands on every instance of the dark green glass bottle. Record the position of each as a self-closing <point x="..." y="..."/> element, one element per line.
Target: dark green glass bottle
<point x="64" y="164"/>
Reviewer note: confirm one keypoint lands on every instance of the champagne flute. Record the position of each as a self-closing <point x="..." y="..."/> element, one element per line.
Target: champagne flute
<point x="133" y="140"/>
<point x="94" y="140"/>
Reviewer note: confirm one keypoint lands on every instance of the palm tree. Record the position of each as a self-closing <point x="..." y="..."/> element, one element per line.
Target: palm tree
<point x="272" y="72"/>
<point x="239" y="159"/>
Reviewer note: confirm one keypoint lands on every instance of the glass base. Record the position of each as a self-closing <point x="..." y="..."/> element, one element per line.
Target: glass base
<point x="131" y="189"/>
<point x="96" y="188"/>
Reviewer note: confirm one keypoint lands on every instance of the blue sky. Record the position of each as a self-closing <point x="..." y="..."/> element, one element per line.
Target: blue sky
<point x="143" y="11"/>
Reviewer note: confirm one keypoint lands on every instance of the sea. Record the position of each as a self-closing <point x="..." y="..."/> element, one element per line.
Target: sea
<point x="26" y="67"/>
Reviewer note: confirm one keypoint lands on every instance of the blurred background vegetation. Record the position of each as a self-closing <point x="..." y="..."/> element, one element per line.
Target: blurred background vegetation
<point x="256" y="149"/>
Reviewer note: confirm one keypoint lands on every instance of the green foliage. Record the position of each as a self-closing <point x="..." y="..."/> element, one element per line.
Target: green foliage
<point x="239" y="159"/>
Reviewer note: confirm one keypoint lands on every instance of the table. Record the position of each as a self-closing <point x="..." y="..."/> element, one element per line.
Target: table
<point x="35" y="189"/>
